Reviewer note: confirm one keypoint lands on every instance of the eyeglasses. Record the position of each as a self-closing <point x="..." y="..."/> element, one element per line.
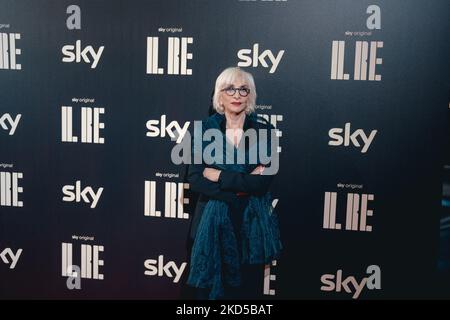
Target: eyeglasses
<point x="230" y="91"/>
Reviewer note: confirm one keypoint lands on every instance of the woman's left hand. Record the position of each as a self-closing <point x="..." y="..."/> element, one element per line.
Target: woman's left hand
<point x="211" y="174"/>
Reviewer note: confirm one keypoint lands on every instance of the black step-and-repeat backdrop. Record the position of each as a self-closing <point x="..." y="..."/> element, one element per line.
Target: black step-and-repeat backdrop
<point x="92" y="92"/>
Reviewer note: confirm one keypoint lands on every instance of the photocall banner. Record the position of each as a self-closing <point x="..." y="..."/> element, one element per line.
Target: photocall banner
<point x="95" y="94"/>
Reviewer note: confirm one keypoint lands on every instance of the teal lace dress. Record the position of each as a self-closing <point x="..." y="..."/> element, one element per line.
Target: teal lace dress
<point x="219" y="249"/>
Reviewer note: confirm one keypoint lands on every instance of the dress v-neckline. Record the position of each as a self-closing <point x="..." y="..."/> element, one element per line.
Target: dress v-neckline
<point x="232" y="142"/>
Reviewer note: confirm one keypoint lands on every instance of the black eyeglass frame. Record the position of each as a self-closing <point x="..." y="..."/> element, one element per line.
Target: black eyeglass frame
<point x="233" y="90"/>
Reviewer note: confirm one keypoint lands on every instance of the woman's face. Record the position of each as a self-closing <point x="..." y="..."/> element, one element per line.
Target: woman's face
<point x="237" y="102"/>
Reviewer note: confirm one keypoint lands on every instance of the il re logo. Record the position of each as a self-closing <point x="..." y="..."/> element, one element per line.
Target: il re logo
<point x="90" y="261"/>
<point x="10" y="189"/>
<point x="274" y="120"/>
<point x="90" y="125"/>
<point x="177" y="56"/>
<point x="268" y="278"/>
<point x="9" y="51"/>
<point x="174" y="200"/>
<point x="365" y="65"/>
<point x="356" y="215"/>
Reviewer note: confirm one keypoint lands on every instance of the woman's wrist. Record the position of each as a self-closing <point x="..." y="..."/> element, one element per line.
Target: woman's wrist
<point x="212" y="174"/>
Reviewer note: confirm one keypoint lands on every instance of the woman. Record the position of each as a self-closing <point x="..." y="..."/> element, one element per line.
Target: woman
<point x="234" y="229"/>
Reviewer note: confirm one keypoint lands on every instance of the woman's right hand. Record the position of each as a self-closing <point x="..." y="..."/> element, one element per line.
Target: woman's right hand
<point x="258" y="170"/>
<point x="211" y="174"/>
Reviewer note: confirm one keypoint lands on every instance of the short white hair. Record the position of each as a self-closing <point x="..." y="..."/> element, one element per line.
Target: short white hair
<point x="226" y="79"/>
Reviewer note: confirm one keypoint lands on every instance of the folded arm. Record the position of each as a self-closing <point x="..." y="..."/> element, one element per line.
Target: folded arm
<point x="200" y="184"/>
<point x="245" y="182"/>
